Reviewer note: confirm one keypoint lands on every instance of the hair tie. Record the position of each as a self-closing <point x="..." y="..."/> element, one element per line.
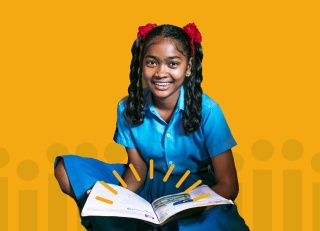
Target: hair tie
<point x="193" y="32"/>
<point x="144" y="30"/>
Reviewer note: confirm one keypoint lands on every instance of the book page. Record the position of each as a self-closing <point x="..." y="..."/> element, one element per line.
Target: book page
<point x="124" y="204"/>
<point x="167" y="206"/>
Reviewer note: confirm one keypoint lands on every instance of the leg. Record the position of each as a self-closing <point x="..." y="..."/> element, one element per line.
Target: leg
<point x="62" y="177"/>
<point x="76" y="174"/>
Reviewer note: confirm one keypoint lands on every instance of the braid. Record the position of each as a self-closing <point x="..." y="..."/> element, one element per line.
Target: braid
<point x="193" y="95"/>
<point x="134" y="104"/>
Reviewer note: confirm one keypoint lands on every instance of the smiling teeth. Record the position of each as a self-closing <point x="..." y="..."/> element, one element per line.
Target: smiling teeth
<point x="162" y="84"/>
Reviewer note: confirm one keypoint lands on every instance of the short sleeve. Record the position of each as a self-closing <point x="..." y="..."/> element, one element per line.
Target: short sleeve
<point x="218" y="137"/>
<point x="123" y="134"/>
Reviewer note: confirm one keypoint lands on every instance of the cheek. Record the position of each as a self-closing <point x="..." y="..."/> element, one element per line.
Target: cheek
<point x="146" y="75"/>
<point x="179" y="74"/>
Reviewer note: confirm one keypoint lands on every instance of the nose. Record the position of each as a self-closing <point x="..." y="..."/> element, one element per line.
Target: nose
<point x="161" y="71"/>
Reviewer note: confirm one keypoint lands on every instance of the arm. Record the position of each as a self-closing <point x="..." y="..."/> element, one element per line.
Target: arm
<point x="226" y="175"/>
<point x="136" y="160"/>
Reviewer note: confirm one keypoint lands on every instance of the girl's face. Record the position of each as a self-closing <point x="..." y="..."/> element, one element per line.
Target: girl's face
<point x="164" y="69"/>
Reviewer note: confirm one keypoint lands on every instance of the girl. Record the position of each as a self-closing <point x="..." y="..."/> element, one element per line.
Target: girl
<point x="170" y="122"/>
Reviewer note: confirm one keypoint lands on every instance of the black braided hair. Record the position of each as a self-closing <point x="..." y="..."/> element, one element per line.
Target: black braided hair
<point x="134" y="105"/>
<point x="193" y="94"/>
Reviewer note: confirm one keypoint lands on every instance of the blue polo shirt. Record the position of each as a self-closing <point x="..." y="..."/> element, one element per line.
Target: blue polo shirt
<point x="168" y="143"/>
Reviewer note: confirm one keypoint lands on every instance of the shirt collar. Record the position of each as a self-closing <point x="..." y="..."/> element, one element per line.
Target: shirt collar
<point x="148" y="102"/>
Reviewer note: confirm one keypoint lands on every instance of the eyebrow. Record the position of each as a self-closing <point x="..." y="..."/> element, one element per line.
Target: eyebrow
<point x="170" y="57"/>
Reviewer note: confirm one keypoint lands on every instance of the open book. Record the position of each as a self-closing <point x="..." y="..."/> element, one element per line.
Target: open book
<point x="113" y="200"/>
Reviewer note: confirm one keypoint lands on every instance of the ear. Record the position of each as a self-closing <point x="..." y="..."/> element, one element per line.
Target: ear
<point x="189" y="67"/>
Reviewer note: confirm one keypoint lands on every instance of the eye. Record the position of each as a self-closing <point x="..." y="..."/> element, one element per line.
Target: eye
<point x="173" y="64"/>
<point x="151" y="63"/>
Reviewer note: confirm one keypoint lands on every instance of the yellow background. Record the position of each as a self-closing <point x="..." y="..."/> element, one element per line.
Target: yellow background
<point x="64" y="65"/>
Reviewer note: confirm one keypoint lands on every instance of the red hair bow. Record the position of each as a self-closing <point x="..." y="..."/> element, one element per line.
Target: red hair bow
<point x="144" y="30"/>
<point x="193" y="32"/>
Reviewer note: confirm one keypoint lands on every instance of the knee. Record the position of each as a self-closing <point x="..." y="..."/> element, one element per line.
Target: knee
<point x="61" y="174"/>
<point x="59" y="170"/>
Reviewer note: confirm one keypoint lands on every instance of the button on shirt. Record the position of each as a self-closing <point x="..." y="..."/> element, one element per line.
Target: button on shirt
<point x="168" y="143"/>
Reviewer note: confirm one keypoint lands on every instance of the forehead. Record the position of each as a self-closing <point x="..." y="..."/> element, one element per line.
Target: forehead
<point x="164" y="45"/>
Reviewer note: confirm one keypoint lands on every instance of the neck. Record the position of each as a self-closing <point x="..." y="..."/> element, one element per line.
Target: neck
<point x="166" y="104"/>
<point x="165" y="108"/>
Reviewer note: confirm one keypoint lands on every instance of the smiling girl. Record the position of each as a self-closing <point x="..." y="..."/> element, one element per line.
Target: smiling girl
<point x="171" y="122"/>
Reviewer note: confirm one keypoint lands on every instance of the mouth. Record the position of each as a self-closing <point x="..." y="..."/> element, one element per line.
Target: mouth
<point x="162" y="84"/>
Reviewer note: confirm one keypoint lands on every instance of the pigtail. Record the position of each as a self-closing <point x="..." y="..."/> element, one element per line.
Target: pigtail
<point x="134" y="105"/>
<point x="134" y="113"/>
<point x="193" y="94"/>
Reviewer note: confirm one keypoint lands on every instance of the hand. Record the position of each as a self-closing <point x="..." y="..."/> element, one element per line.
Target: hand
<point x="88" y="191"/>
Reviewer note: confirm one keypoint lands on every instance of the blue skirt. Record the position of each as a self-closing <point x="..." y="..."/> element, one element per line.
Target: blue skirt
<point x="84" y="172"/>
